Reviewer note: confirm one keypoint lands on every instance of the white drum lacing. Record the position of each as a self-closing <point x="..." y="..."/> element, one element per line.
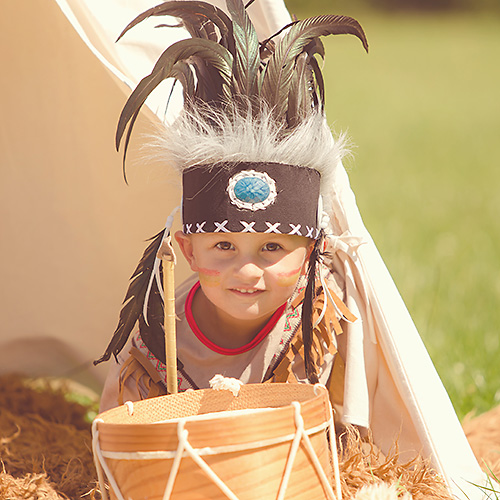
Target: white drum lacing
<point x="185" y="449"/>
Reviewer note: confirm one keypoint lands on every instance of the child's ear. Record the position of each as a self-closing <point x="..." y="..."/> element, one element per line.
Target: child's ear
<point x="186" y="246"/>
<point x="310" y="248"/>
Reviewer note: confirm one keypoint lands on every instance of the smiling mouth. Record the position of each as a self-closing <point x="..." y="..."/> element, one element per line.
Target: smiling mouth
<point x="246" y="291"/>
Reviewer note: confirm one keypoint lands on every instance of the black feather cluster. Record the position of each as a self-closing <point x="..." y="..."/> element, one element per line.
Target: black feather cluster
<point x="225" y="62"/>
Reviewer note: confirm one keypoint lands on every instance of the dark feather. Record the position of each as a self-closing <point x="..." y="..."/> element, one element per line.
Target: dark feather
<point x="194" y="15"/>
<point x="307" y="314"/>
<point x="307" y="87"/>
<point x="182" y="72"/>
<point x="319" y="82"/>
<point x="299" y="98"/>
<point x="210" y="32"/>
<point x="276" y="83"/>
<point x="218" y="57"/>
<point x="134" y="300"/>
<point x="315" y="47"/>
<point x="212" y="86"/>
<point x="127" y="140"/>
<point x="246" y="57"/>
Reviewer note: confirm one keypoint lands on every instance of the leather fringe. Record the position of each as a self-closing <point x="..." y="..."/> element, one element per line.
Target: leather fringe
<point x="138" y="368"/>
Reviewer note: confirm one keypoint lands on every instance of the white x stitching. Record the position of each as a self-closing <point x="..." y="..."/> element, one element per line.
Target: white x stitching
<point x="248" y="227"/>
<point x="221" y="227"/>
<point x="187" y="228"/>
<point x="295" y="229"/>
<point x="272" y="228"/>
<point x="199" y="227"/>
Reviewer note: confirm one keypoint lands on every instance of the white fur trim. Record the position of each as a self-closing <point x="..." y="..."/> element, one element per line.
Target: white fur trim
<point x="210" y="136"/>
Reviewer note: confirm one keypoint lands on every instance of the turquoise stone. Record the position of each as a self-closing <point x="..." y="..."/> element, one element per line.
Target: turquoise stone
<point x="251" y="190"/>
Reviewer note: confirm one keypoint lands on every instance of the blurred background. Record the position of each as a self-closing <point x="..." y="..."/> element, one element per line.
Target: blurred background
<point x="422" y="110"/>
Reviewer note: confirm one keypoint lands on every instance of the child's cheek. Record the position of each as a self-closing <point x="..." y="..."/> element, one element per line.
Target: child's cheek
<point x="289" y="278"/>
<point x="209" y="277"/>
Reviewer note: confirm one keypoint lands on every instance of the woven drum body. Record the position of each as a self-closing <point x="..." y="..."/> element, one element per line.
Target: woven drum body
<point x="244" y="440"/>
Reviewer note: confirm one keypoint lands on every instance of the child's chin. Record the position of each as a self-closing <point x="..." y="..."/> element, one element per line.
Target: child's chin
<point x="252" y="313"/>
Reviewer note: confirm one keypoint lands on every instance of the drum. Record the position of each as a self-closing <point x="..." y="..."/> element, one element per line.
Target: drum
<point x="271" y="441"/>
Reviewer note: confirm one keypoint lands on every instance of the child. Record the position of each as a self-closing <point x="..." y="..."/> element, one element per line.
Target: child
<point x="264" y="304"/>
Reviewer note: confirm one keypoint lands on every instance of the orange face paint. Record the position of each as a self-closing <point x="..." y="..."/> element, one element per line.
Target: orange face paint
<point x="289" y="278"/>
<point x="209" y="277"/>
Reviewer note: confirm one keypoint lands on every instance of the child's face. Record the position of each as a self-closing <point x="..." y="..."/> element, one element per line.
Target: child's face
<point x="246" y="275"/>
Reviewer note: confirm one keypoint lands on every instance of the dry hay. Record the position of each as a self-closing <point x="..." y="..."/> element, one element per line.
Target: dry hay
<point x="483" y="433"/>
<point x="28" y="487"/>
<point x="45" y="450"/>
<point x="362" y="465"/>
<point x="45" y="443"/>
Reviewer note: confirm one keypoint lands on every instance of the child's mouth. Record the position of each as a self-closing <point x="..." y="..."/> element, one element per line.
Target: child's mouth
<point x="246" y="291"/>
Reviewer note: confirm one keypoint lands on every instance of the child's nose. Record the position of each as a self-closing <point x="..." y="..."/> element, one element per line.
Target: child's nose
<point x="248" y="270"/>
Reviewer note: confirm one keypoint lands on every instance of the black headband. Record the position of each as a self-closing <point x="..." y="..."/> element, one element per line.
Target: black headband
<point x="251" y="197"/>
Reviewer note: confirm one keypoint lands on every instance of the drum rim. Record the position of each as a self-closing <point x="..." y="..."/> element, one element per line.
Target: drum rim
<point x="235" y="427"/>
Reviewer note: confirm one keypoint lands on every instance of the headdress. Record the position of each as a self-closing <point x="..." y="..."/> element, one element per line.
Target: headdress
<point x="252" y="142"/>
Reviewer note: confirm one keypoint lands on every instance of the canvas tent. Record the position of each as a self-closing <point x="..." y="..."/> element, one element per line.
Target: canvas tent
<point x="72" y="231"/>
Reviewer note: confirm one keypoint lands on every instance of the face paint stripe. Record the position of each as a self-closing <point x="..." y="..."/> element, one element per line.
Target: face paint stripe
<point x="289" y="278"/>
<point x="209" y="277"/>
<point x="288" y="274"/>
<point x="209" y="272"/>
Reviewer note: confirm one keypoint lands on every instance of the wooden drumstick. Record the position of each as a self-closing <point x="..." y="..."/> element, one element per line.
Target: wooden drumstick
<point x="166" y="253"/>
<point x="170" y="326"/>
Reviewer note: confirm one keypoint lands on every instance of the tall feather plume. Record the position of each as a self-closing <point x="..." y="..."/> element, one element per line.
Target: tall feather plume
<point x="231" y="66"/>
<point x="132" y="309"/>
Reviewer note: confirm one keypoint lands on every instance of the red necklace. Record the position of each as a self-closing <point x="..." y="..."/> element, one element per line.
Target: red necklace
<point x="221" y="350"/>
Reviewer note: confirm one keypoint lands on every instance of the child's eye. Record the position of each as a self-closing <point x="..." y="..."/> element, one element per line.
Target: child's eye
<point x="272" y="247"/>
<point x="224" y="245"/>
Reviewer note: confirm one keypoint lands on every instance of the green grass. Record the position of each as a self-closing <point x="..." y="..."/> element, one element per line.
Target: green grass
<point x="423" y="109"/>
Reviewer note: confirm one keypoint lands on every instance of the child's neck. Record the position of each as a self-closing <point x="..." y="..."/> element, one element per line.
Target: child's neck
<point x="220" y="328"/>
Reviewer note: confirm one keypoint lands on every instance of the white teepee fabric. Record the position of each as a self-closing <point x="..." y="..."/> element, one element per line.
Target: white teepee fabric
<point x="395" y="365"/>
<point x="391" y="383"/>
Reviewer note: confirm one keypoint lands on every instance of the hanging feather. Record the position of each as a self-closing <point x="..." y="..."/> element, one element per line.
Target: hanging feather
<point x="132" y="309"/>
<point x="307" y="314"/>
